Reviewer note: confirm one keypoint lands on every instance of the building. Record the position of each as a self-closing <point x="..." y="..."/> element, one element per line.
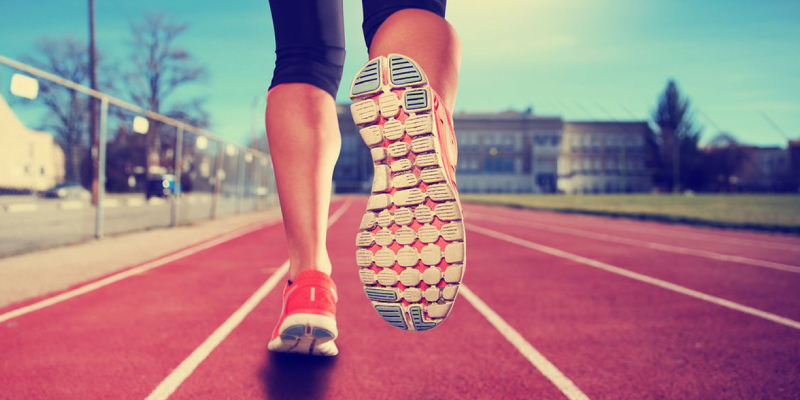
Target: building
<point x="793" y="150"/>
<point x="509" y="152"/>
<point x="763" y="169"/>
<point x="519" y="152"/>
<point x="604" y="157"/>
<point x="29" y="160"/>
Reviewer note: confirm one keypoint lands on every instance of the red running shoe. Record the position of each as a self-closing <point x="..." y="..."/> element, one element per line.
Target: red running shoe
<point x="308" y="318"/>
<point x="411" y="241"/>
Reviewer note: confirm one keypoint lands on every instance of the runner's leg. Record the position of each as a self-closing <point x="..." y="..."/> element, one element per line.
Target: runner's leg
<point x="301" y="122"/>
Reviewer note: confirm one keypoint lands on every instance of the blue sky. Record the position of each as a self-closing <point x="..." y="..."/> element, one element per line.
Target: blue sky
<point x="582" y="59"/>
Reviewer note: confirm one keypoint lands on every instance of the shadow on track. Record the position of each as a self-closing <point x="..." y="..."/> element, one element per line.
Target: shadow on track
<point x="296" y="377"/>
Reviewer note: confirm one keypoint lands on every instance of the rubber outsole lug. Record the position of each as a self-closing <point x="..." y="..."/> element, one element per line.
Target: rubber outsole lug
<point x="393" y="315"/>
<point x="404" y="71"/>
<point x="368" y="79"/>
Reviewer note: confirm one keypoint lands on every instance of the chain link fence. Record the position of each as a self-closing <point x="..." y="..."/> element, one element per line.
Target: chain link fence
<point x="149" y="171"/>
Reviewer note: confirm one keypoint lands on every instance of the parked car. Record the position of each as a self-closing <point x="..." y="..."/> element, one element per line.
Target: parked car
<point x="68" y="191"/>
<point x="161" y="185"/>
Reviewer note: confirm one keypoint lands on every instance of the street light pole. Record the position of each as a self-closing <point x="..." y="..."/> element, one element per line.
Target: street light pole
<point x="93" y="109"/>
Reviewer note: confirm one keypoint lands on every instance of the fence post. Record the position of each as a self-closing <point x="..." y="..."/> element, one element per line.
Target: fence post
<point x="217" y="180"/>
<point x="176" y="195"/>
<point x="241" y="171"/>
<point x="101" y="172"/>
<point x="256" y="184"/>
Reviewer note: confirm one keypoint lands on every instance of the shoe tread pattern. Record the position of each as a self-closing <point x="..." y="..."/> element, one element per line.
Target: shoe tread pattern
<point x="411" y="252"/>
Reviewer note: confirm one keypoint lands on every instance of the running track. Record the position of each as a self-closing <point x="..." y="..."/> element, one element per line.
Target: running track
<point x="555" y="307"/>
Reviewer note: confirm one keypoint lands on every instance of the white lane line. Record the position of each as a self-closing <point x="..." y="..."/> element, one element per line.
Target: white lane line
<point x="642" y="243"/>
<point x="21" y="207"/>
<point x="134" y="202"/>
<point x="719" y="238"/>
<point x="70" y="205"/>
<point x="131" y="272"/>
<point x="110" y="203"/>
<point x="187" y="366"/>
<point x="709" y="238"/>
<point x="637" y="276"/>
<point x="539" y="361"/>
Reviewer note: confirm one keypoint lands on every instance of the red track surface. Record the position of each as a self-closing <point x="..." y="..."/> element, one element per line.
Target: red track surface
<point x="614" y="337"/>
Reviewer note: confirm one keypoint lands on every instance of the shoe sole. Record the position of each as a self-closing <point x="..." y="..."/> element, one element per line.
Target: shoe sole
<point x="411" y="239"/>
<point x="310" y="334"/>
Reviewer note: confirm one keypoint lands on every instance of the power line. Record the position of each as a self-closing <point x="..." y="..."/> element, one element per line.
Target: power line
<point x="579" y="105"/>
<point x="555" y="107"/>
<point x="604" y="111"/>
<point x="630" y="114"/>
<point x="564" y="107"/>
<point x="710" y="121"/>
<point x="774" y="125"/>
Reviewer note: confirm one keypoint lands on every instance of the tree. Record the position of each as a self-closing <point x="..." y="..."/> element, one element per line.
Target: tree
<point x="723" y="159"/>
<point x="159" y="68"/>
<point x="677" y="138"/>
<point x="67" y="109"/>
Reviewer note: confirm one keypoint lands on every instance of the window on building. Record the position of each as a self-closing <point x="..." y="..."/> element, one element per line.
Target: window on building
<point x="499" y="165"/>
<point x="505" y="142"/>
<point x="586" y="164"/>
<point x="628" y="141"/>
<point x="470" y="165"/>
<point x="576" y="166"/>
<point x="575" y="141"/>
<point x="596" y="165"/>
<point x="468" y="141"/>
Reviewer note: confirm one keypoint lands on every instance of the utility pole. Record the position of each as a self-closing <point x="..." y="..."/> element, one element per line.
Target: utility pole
<point x="676" y="164"/>
<point x="93" y="109"/>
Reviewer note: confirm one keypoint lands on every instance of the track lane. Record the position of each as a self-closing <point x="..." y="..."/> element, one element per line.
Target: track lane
<point x="615" y="338"/>
<point x="618" y="338"/>
<point x="119" y="340"/>
<point x="766" y="289"/>
<point x="761" y="246"/>
<point x="175" y="379"/>
<point x="770" y="240"/>
<point x="465" y="358"/>
<point x="641" y="242"/>
<point x="37" y="303"/>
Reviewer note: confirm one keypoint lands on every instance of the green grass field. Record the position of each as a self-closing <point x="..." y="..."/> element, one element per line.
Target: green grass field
<point x="762" y="212"/>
